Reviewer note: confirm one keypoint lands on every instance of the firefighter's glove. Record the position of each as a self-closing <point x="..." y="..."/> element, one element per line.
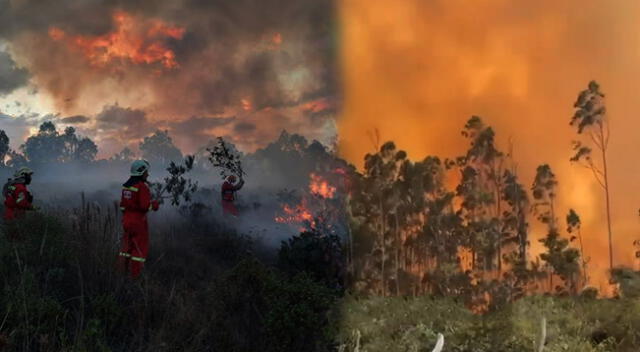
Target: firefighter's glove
<point x="155" y="205"/>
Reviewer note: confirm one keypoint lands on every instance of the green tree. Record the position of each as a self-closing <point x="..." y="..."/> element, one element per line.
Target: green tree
<point x="371" y="204"/>
<point x="125" y="154"/>
<point x="515" y="217"/>
<point x="574" y="226"/>
<point x="159" y="149"/>
<point x="86" y="150"/>
<point x="16" y="160"/>
<point x="4" y="147"/>
<point x="590" y="119"/>
<point x="480" y="189"/>
<point x="71" y="142"/>
<point x="49" y="146"/>
<point x="381" y="170"/>
<point x="320" y="256"/>
<point x="44" y="147"/>
<point x="441" y="231"/>
<point x="560" y="258"/>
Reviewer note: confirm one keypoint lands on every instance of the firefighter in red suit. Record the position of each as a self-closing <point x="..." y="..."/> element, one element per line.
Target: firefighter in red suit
<point x="135" y="203"/>
<point x="229" y="189"/>
<point x="17" y="200"/>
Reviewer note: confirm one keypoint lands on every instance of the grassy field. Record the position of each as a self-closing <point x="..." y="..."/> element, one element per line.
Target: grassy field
<point x="573" y="324"/>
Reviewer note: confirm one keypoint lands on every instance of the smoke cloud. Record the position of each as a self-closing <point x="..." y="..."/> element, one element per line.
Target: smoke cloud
<point x="11" y="76"/>
<point x="257" y="61"/>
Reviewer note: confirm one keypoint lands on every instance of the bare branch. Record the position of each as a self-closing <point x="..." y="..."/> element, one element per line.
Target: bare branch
<point x="597" y="176"/>
<point x="595" y="140"/>
<point x="594" y="169"/>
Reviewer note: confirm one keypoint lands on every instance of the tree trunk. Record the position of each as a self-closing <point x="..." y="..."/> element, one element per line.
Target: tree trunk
<point x="584" y="263"/>
<point x="606" y="191"/>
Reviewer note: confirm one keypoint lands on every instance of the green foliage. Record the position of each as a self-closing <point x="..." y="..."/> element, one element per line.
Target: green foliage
<point x="560" y="257"/>
<point x="200" y="289"/>
<point x="264" y="311"/>
<point x="628" y="280"/>
<point x="320" y="256"/>
<point x="227" y="158"/>
<point x="589" y="108"/>
<point x="296" y="318"/>
<point x="179" y="187"/>
<point x="573" y="221"/>
<point x="544" y="192"/>
<point x="397" y="324"/>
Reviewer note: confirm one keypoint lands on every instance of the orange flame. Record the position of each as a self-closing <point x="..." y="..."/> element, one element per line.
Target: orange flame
<point x="296" y="215"/>
<point x="133" y="40"/>
<point x="318" y="186"/>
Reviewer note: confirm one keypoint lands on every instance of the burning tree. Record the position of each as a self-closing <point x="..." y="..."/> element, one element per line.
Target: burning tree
<point x="222" y="156"/>
<point x="176" y="185"/>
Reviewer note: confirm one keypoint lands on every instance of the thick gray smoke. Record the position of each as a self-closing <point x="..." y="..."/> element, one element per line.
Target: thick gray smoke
<point x="269" y="175"/>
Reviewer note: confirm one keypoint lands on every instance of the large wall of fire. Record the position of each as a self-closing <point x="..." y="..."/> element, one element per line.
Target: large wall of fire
<point x="416" y="70"/>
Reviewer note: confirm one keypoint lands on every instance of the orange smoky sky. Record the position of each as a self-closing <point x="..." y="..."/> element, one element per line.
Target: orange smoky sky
<point x="416" y="70"/>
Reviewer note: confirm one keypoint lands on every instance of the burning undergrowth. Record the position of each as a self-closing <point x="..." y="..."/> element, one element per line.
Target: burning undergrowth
<point x="319" y="208"/>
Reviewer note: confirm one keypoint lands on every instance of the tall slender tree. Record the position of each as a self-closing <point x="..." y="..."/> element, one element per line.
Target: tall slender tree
<point x="590" y="119"/>
<point x="481" y="192"/>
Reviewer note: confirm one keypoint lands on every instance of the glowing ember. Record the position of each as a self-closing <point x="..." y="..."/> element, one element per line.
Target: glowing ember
<point x="133" y="40"/>
<point x="246" y="104"/>
<point x="320" y="187"/>
<point x="296" y="215"/>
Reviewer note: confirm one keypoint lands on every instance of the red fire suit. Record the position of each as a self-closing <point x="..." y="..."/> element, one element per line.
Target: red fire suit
<point x="17" y="201"/>
<point x="135" y="203"/>
<point x="229" y="196"/>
